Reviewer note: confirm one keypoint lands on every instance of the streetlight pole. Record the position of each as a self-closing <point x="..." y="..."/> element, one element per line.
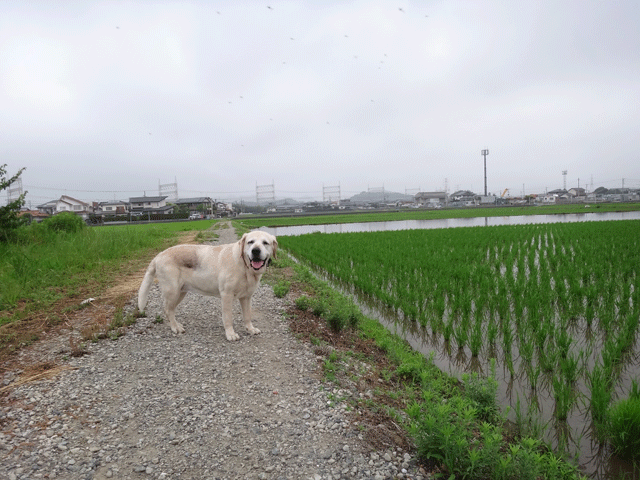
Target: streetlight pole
<point x="484" y="154"/>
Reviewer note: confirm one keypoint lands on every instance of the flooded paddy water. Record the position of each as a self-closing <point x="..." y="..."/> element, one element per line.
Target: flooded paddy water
<point x="536" y="406"/>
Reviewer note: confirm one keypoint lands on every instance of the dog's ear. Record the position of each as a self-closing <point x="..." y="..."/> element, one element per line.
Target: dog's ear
<point x="275" y="248"/>
<point x="242" y="242"/>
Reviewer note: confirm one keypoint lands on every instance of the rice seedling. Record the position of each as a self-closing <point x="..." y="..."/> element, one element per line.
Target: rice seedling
<point x="557" y="305"/>
<point x="623" y="430"/>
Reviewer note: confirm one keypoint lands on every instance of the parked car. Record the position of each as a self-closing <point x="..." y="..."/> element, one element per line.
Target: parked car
<point x="195" y="216"/>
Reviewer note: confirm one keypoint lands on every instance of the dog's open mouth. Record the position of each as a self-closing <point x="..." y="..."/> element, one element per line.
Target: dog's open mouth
<point x="257" y="264"/>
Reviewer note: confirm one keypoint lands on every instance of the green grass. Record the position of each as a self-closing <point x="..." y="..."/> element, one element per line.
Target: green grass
<point x="45" y="265"/>
<point x="429" y="214"/>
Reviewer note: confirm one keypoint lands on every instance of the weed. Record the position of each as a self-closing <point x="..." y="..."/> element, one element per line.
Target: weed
<point x="483" y="393"/>
<point x="281" y="288"/>
<point x="303" y="303"/>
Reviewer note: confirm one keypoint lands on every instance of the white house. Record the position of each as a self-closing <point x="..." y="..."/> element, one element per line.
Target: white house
<point x="548" y="199"/>
<point x="66" y="204"/>
<point x="431" y="198"/>
<point x="149" y="205"/>
<point x="115" y="207"/>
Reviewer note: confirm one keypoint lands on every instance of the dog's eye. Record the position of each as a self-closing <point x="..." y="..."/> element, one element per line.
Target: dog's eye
<point x="265" y="242"/>
<point x="250" y="242"/>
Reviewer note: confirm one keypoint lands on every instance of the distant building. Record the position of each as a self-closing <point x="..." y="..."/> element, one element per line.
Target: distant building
<point x="158" y="204"/>
<point x="485" y="199"/>
<point x="431" y="199"/>
<point x="203" y="205"/>
<point x="462" y="197"/>
<point x="115" y="207"/>
<point x="66" y="204"/>
<point x="577" y="192"/>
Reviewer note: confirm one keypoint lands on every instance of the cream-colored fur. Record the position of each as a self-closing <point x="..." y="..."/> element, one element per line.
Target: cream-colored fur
<point x="230" y="271"/>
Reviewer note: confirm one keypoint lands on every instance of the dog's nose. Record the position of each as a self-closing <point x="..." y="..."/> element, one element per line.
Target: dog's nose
<point x="255" y="252"/>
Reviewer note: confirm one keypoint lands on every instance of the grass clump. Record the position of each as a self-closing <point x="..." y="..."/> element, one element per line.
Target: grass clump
<point x="482" y="392"/>
<point x="303" y="303"/>
<point x="281" y="288"/>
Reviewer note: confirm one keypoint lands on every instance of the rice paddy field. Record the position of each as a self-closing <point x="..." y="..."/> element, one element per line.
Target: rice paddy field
<point x="556" y="305"/>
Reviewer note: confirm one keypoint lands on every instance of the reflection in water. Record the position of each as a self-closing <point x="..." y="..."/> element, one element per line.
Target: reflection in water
<point x="450" y="223"/>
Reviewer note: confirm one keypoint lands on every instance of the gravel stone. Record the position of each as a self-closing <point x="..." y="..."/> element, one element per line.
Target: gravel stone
<point x="155" y="405"/>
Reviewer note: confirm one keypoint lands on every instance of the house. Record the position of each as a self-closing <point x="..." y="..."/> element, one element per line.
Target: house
<point x="48" y="208"/>
<point x="203" y="205"/>
<point x="66" y="204"/>
<point x="115" y="207"/>
<point x="431" y="199"/>
<point x="224" y="209"/>
<point x="548" y="198"/>
<point x="33" y="215"/>
<point x="485" y="200"/>
<point x="462" y="198"/>
<point x="577" y="192"/>
<point x="140" y="205"/>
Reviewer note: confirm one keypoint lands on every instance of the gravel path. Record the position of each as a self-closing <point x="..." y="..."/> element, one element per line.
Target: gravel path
<point x="154" y="405"/>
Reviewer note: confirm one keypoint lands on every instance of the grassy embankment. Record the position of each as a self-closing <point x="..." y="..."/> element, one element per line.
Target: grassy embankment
<point x="53" y="266"/>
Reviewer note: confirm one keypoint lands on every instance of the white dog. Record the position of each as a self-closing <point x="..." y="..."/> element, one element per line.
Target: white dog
<point x="227" y="271"/>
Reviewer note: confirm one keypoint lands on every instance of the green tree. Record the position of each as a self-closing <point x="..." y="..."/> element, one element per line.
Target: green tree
<point x="9" y="219"/>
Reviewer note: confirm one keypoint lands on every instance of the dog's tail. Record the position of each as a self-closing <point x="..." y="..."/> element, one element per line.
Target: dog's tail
<point x="145" y="285"/>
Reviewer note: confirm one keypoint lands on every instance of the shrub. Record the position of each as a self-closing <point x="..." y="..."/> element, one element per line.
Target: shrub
<point x="9" y="219"/>
<point x="65" y="222"/>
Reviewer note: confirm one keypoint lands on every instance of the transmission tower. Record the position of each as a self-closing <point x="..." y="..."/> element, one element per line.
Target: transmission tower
<point x="564" y="179"/>
<point x="331" y="194"/>
<point x="170" y="189"/>
<point x="266" y="194"/>
<point x="378" y="190"/>
<point x="14" y="190"/>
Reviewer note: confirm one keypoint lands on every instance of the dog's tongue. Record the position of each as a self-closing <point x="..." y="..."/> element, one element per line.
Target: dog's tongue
<point x="257" y="264"/>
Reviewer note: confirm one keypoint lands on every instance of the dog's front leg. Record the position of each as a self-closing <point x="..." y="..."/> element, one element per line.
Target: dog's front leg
<point x="227" y="317"/>
<point x="245" y="304"/>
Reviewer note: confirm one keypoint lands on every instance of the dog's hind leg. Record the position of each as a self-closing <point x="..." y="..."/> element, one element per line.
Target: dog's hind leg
<point x="245" y="304"/>
<point x="171" y="300"/>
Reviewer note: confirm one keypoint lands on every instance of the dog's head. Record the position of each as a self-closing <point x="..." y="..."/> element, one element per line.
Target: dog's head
<point x="258" y="248"/>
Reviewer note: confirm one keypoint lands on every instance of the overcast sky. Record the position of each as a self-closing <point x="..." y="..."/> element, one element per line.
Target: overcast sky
<point x="105" y="100"/>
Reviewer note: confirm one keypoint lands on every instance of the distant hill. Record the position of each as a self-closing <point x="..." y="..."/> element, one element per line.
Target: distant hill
<point x="380" y="197"/>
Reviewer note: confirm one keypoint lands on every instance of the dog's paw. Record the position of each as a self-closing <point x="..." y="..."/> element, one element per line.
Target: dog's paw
<point x="232" y="336"/>
<point x="177" y="328"/>
<point x="253" y="330"/>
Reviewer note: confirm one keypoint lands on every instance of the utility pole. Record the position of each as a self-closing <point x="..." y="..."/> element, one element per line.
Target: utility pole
<point x="485" y="152"/>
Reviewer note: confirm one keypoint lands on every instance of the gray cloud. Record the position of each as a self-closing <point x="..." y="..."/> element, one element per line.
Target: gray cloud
<point x="106" y="99"/>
